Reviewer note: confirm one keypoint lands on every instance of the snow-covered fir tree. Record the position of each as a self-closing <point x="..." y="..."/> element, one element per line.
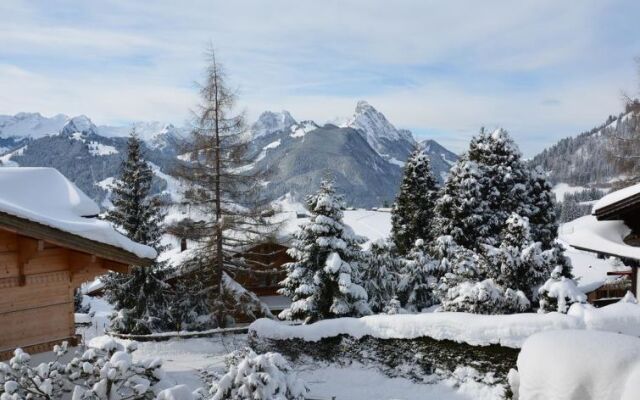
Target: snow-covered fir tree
<point x="324" y="280"/>
<point x="417" y="279"/>
<point x="496" y="207"/>
<point x="542" y="212"/>
<point x="141" y="297"/>
<point x="414" y="209"/>
<point x="381" y="274"/>
<point x="462" y="211"/>
<point x="505" y="277"/>
<point x="457" y="265"/>
<point x="487" y="185"/>
<point x="518" y="263"/>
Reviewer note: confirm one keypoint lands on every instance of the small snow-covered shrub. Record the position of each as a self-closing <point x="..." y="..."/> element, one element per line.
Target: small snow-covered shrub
<point x="559" y="292"/>
<point x="104" y="373"/>
<point x="394" y="307"/>
<point x="484" y="297"/>
<point x="259" y="377"/>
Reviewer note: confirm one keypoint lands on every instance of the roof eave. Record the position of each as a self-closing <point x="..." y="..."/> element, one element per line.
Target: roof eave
<point x="59" y="237"/>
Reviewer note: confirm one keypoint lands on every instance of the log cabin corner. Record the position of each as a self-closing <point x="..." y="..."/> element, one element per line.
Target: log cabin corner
<point x="49" y="246"/>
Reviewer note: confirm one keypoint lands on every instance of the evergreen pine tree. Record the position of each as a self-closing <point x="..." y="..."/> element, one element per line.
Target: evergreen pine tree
<point x="418" y="280"/>
<point x="380" y="275"/>
<point x="518" y="263"/>
<point x="462" y="211"/>
<point x="413" y="211"/>
<point x="488" y="184"/>
<point x="323" y="281"/>
<point x="141" y="296"/>
<point x="542" y="211"/>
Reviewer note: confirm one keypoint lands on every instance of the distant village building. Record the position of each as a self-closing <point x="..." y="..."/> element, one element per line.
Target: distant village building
<point x="51" y="241"/>
<point x="613" y="229"/>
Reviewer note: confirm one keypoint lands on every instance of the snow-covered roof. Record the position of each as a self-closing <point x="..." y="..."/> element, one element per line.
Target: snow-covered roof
<point x="45" y="196"/>
<point x="616" y="196"/>
<point x="605" y="237"/>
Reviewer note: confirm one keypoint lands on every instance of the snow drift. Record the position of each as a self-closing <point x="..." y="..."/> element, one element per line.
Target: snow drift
<point x="474" y="329"/>
<point x="585" y="365"/>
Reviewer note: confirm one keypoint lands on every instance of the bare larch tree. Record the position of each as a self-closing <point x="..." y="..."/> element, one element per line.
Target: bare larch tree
<point x="221" y="189"/>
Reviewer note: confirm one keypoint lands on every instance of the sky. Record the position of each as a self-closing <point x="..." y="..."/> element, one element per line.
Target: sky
<point x="541" y="69"/>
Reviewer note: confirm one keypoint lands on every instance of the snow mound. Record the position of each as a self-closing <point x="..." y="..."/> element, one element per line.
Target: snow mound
<point x="180" y="392"/>
<point x="567" y="365"/>
<point x="45" y="196"/>
<point x="474" y="329"/>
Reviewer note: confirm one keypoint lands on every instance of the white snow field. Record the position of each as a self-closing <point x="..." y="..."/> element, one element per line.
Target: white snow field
<point x="561" y="189"/>
<point x="51" y="199"/>
<point x="183" y="359"/>
<point x="474" y="329"/>
<point x="577" y="365"/>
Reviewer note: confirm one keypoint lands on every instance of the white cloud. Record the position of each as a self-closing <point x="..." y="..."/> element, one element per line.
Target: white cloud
<point x="432" y="66"/>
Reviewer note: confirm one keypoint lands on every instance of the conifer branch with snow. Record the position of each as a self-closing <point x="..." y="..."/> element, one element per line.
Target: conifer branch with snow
<point x="323" y="281"/>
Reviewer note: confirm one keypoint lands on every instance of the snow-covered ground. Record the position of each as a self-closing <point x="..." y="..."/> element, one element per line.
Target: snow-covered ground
<point x="561" y="189"/>
<point x="183" y="359"/>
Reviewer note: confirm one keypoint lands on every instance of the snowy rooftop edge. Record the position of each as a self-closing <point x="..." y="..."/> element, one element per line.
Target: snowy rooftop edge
<point x="616" y="196"/>
<point x="602" y="236"/>
<point x="45" y="196"/>
<point x="474" y="329"/>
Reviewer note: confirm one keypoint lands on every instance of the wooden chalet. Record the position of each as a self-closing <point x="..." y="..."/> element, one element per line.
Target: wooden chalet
<point x="266" y="262"/>
<point x="50" y="243"/>
<point x="613" y="229"/>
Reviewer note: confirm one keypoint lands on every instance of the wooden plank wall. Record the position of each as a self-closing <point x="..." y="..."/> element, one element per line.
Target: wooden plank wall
<point x="37" y="282"/>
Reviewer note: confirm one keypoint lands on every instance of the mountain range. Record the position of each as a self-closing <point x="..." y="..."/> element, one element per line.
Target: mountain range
<point x="585" y="159"/>
<point x="364" y="155"/>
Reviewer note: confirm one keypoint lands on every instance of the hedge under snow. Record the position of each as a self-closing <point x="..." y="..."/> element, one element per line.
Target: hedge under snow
<point x="478" y="330"/>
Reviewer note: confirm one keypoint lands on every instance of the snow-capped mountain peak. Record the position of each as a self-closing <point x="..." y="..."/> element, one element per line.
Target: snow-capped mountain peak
<point x="270" y="122"/>
<point x="30" y="125"/>
<point x="378" y="131"/>
<point x="375" y="125"/>
<point x="80" y="124"/>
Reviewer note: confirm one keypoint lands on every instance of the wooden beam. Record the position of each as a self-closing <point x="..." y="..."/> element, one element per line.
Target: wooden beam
<point x="117" y="267"/>
<point x="27" y="248"/>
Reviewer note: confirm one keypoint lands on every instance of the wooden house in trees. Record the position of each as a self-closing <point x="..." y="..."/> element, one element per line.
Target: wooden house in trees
<point x="50" y="242"/>
<point x="613" y="229"/>
<point x="265" y="261"/>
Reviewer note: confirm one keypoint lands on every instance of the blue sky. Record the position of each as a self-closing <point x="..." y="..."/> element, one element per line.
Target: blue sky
<point x="541" y="69"/>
